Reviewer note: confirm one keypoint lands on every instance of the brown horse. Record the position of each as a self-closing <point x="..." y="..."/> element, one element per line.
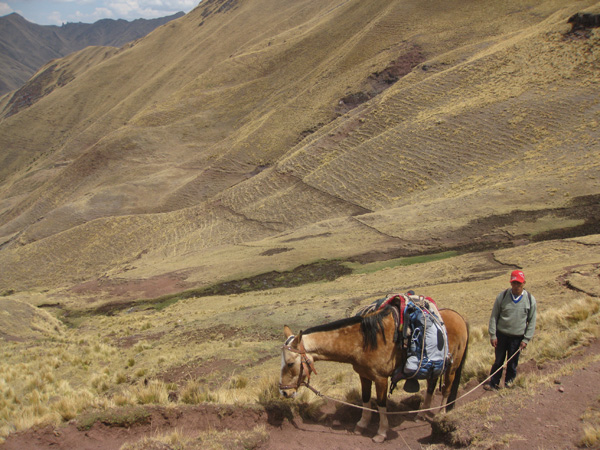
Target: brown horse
<point x="367" y="342"/>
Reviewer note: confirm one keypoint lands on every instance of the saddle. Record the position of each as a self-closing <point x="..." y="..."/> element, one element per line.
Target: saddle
<point x="403" y="332"/>
<point x="398" y="304"/>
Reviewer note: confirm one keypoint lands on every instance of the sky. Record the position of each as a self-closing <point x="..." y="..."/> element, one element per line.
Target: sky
<point x="57" y="12"/>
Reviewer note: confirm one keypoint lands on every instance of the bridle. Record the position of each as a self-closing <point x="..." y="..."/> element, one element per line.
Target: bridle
<point x="306" y="365"/>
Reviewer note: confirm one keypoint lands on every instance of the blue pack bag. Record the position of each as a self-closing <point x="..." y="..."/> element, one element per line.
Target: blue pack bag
<point x="427" y="349"/>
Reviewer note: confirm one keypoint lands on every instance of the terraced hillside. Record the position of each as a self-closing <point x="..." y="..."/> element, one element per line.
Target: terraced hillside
<point x="254" y="136"/>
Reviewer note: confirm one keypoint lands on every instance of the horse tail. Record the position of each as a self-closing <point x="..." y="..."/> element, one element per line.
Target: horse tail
<point x="457" y="375"/>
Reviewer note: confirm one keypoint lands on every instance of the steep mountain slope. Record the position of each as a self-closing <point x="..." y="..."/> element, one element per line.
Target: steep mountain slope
<point x="25" y="46"/>
<point x="312" y="129"/>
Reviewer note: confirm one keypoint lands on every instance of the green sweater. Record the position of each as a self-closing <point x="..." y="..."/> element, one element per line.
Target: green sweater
<point x="515" y="319"/>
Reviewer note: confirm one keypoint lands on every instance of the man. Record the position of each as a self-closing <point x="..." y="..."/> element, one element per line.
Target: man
<point x="511" y="327"/>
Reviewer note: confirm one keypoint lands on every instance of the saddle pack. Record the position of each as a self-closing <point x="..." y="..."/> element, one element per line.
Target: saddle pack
<point x="421" y="333"/>
<point x="427" y="341"/>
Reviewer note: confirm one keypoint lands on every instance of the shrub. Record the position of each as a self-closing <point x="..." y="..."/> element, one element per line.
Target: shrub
<point x="194" y="393"/>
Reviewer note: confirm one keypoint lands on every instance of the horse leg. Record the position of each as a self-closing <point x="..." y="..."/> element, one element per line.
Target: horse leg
<point x="431" y="383"/>
<point x="381" y="388"/>
<point x="365" y="418"/>
<point x="447" y="387"/>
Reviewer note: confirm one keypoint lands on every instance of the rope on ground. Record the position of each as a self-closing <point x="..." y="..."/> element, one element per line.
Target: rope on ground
<point x="414" y="410"/>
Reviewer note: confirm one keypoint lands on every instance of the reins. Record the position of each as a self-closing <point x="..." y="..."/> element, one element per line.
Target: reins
<point x="310" y="366"/>
<point x="306" y="365"/>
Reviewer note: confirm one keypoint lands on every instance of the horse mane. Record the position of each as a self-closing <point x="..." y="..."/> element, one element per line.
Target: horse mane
<point x="370" y="325"/>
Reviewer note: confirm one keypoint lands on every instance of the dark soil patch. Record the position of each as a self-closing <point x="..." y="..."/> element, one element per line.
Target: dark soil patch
<point x="130" y="289"/>
<point x="378" y="82"/>
<point x="308" y="237"/>
<point x="38" y="87"/>
<point x="308" y="273"/>
<point x="275" y="251"/>
<point x="484" y="234"/>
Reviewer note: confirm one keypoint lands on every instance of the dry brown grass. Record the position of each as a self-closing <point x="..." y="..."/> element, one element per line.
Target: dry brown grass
<point x="227" y="347"/>
<point x="591" y="428"/>
<point x="502" y="91"/>
<point x="224" y="158"/>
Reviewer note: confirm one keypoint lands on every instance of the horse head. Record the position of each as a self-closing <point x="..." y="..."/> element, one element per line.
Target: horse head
<point x="296" y="364"/>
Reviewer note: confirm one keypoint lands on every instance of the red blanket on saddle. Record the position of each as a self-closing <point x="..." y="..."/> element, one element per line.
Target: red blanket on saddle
<point x="398" y="301"/>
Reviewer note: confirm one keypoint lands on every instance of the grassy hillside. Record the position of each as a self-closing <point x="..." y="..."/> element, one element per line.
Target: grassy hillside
<point x="241" y="138"/>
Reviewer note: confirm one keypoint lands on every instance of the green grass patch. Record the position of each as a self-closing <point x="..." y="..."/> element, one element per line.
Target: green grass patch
<point x="165" y="302"/>
<point x="115" y="417"/>
<point x="359" y="268"/>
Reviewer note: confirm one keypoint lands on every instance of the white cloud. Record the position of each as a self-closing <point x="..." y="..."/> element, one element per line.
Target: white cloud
<point x="5" y="9"/>
<point x="54" y="18"/>
<point x="124" y="8"/>
<point x="91" y="17"/>
<point x="133" y="9"/>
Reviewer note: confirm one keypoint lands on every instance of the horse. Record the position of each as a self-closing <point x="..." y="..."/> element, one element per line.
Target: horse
<point x="367" y="342"/>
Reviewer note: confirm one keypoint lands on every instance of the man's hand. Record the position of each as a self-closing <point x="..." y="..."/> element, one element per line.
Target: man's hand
<point x="523" y="345"/>
<point x="494" y="342"/>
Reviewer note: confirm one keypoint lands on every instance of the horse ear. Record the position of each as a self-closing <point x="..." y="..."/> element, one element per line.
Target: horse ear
<point x="287" y="331"/>
<point x="296" y="340"/>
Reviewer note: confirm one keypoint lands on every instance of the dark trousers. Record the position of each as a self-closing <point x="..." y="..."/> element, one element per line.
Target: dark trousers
<point x="507" y="346"/>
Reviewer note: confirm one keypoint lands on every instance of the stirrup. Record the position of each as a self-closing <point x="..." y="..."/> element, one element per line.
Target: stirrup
<point x="411" y="385"/>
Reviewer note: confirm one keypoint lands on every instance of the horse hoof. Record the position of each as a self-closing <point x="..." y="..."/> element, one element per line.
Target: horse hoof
<point x="359" y="430"/>
<point x="379" y="438"/>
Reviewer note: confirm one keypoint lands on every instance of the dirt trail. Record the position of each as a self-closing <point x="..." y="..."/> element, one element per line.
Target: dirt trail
<point x="550" y="420"/>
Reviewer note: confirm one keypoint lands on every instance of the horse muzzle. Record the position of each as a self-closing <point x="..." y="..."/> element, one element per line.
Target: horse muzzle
<point x="287" y="391"/>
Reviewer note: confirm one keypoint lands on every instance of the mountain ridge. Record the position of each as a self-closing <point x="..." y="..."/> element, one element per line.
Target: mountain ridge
<point x="25" y="46"/>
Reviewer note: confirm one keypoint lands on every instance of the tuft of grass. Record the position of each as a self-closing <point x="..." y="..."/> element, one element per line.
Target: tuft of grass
<point x="194" y="392"/>
<point x="237" y="382"/>
<point x="591" y="436"/>
<point x="173" y="441"/>
<point x="153" y="392"/>
<point x="114" y="417"/>
<point x="591" y="429"/>
<point x="120" y="378"/>
<point x="229" y="439"/>
<point x="311" y="410"/>
<point x="235" y="343"/>
<point x="269" y="391"/>
<point x="353" y="396"/>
